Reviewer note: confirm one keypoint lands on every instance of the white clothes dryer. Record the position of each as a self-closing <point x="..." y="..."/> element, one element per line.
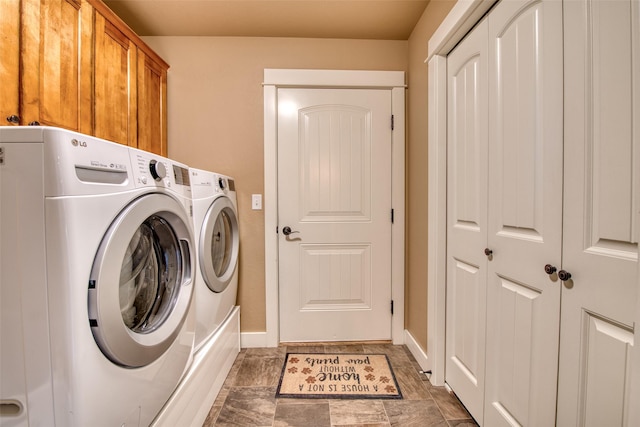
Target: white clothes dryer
<point x="215" y="216"/>
<point x="97" y="259"/>
<point x="217" y="338"/>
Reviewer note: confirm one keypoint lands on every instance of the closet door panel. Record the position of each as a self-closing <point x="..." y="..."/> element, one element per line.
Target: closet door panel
<point x="602" y="144"/>
<point x="467" y="219"/>
<point x="524" y="211"/>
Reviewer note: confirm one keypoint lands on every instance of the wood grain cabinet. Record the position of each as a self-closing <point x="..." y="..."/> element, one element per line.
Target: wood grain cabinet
<point x="152" y="104"/>
<point x="74" y="64"/>
<point x="43" y="82"/>
<point x="9" y="59"/>
<point x="114" y="88"/>
<point x="130" y="88"/>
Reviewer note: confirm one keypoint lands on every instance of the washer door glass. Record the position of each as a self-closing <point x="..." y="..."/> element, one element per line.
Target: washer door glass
<point x="219" y="243"/>
<point x="150" y="275"/>
<point x="140" y="287"/>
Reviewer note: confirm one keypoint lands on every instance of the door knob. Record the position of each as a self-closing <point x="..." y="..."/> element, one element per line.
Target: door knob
<point x="564" y="275"/>
<point x="34" y="123"/>
<point x="13" y="119"/>
<point x="287" y="230"/>
<point x="549" y="269"/>
<point x="488" y="252"/>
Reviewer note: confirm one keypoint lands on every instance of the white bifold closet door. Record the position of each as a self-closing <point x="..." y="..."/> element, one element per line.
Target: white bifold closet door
<point x="543" y="184"/>
<point x="467" y="219"/>
<point x="505" y="214"/>
<point x="525" y="212"/>
<point x="601" y="179"/>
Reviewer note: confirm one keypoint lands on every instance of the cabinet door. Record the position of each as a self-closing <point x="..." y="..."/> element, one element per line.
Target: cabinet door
<point x="152" y="105"/>
<point x="115" y="99"/>
<point x="9" y="59"/>
<point x="525" y="212"/>
<point x="52" y="33"/>
<point x="467" y="219"/>
<point x="602" y="145"/>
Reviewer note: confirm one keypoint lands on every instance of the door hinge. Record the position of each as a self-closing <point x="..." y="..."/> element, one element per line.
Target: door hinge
<point x="391" y="307"/>
<point x="1" y="155"/>
<point x="277" y="231"/>
<point x="392" y="216"/>
<point x="392" y="122"/>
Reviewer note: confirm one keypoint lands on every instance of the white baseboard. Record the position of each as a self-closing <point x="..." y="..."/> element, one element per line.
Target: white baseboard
<point x="259" y="339"/>
<point x="253" y="339"/>
<point x="418" y="353"/>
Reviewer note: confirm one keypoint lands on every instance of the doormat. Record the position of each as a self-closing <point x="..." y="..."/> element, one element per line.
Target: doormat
<point x="339" y="376"/>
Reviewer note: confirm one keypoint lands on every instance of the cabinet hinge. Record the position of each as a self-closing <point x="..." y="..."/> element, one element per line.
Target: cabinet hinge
<point x="392" y="122"/>
<point x="391" y="307"/>
<point x="392" y="216"/>
<point x="1" y="155"/>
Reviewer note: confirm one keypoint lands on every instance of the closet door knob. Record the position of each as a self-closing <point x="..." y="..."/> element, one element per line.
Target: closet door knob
<point x="34" y="123"/>
<point x="549" y="269"/>
<point x="564" y="275"/>
<point x="13" y="119"/>
<point x="488" y="252"/>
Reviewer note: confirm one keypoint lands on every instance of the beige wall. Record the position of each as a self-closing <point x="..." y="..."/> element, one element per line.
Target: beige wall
<point x="216" y="122"/>
<point x="216" y="119"/>
<point x="416" y="260"/>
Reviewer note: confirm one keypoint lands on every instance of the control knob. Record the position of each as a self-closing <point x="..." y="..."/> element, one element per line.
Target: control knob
<point x="157" y="169"/>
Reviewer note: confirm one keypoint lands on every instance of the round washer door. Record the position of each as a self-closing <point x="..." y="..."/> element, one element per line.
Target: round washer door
<point x="218" y="244"/>
<point x="140" y="287"/>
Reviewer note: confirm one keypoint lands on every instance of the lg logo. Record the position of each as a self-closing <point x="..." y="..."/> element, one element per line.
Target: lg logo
<point x="77" y="143"/>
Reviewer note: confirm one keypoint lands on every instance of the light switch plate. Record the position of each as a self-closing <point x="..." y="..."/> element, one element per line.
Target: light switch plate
<point x="256" y="202"/>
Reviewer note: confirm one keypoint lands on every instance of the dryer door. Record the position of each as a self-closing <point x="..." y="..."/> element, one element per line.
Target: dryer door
<point x="140" y="287"/>
<point x="219" y="242"/>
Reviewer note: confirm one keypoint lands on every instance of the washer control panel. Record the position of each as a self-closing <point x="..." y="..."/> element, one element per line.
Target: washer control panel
<point x="150" y="170"/>
<point x="157" y="169"/>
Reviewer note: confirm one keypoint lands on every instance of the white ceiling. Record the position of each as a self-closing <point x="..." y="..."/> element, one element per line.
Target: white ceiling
<point x="352" y="19"/>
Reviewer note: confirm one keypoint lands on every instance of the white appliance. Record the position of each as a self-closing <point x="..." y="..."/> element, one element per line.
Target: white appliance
<point x="97" y="262"/>
<point x="215" y="216"/>
<point x="217" y="341"/>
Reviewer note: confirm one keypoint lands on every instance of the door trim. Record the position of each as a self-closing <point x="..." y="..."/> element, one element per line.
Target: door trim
<point x="460" y="20"/>
<point x="278" y="78"/>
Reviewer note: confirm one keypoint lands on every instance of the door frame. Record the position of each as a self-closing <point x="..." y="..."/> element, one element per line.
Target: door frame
<point x="332" y="79"/>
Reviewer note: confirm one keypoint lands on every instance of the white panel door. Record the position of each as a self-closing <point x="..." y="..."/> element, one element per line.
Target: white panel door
<point x="602" y="145"/>
<point x="467" y="219"/>
<point x="334" y="193"/>
<point x="525" y="212"/>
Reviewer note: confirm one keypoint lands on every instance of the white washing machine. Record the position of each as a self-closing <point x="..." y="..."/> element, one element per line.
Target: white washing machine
<point x="215" y="216"/>
<point x="96" y="280"/>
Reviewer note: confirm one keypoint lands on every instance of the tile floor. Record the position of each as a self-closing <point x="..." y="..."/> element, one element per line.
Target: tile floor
<point x="247" y="399"/>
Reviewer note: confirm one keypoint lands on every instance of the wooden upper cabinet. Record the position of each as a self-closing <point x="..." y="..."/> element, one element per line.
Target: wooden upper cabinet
<point x="9" y="61"/>
<point x="114" y="84"/>
<point x="152" y="105"/>
<point x="75" y="64"/>
<point x="51" y="82"/>
<point x="130" y="88"/>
